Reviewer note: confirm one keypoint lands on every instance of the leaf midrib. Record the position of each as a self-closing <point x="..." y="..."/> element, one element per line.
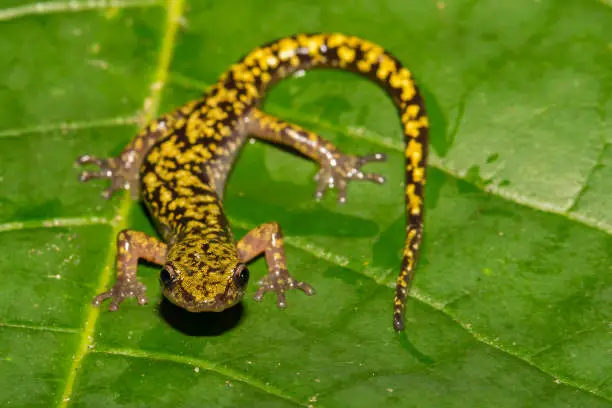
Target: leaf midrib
<point x="174" y="12"/>
<point x="56" y="7"/>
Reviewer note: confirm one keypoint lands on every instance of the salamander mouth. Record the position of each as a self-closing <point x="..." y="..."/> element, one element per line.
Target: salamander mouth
<point x="205" y="307"/>
<point x="221" y="302"/>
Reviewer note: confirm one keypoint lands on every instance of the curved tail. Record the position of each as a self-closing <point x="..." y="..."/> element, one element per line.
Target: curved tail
<point x="274" y="61"/>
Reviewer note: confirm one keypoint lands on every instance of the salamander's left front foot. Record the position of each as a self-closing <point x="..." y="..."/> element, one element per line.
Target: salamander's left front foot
<point x="268" y="238"/>
<point x="280" y="281"/>
<point x="342" y="168"/>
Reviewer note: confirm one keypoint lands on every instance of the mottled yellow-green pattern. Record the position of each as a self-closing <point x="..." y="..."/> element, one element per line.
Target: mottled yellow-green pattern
<point x="180" y="162"/>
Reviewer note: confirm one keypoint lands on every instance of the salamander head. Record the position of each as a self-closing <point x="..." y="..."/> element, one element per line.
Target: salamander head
<point x="202" y="274"/>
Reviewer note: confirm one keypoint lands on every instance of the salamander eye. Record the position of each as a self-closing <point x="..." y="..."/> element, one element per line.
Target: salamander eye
<point x="168" y="276"/>
<point x="241" y="276"/>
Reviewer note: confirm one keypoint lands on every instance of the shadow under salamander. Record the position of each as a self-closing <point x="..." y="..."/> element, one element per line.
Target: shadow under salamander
<point x="200" y="324"/>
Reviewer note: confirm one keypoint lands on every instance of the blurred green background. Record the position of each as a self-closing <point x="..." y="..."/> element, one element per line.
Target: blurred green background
<point x="511" y="302"/>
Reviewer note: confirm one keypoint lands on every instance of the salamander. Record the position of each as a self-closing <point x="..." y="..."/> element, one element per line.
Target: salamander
<point x="179" y="164"/>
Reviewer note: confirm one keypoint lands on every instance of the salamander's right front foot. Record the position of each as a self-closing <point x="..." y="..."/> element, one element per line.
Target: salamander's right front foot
<point x="121" y="290"/>
<point x="120" y="173"/>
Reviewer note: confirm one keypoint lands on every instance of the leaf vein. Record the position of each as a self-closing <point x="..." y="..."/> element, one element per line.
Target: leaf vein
<point x="53" y="223"/>
<point x="174" y="12"/>
<point x="204" y="364"/>
<point x="585" y="186"/>
<point x="304" y="245"/>
<point x="68" y="126"/>
<point x="561" y="341"/>
<point x="69" y="6"/>
<point x="40" y="328"/>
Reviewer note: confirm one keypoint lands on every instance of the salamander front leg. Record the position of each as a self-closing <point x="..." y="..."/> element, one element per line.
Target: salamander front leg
<point x="268" y="238"/>
<point x="132" y="246"/>
<point x="336" y="168"/>
<point x="121" y="174"/>
<point x="123" y="170"/>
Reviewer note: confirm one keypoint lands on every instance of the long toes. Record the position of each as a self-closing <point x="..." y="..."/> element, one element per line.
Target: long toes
<point x="281" y="301"/>
<point x="88" y="175"/>
<point x="374" y="157"/>
<point x="108" y="193"/>
<point x="114" y="305"/>
<point x="89" y="159"/>
<point x="85" y="176"/>
<point x="322" y="186"/>
<point x="374" y="177"/>
<point x="306" y="288"/>
<point x="318" y="194"/>
<point x="259" y="294"/>
<point x="342" y="193"/>
<point x="101" y="298"/>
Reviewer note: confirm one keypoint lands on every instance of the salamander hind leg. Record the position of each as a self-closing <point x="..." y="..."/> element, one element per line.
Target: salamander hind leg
<point x="132" y="246"/>
<point x="268" y="238"/>
<point x="336" y="167"/>
<point x="342" y="168"/>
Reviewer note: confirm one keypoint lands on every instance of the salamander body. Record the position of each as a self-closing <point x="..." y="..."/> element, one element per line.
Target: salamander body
<point x="179" y="163"/>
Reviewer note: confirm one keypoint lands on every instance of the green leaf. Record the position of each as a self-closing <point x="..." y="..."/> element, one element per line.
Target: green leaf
<point x="511" y="302"/>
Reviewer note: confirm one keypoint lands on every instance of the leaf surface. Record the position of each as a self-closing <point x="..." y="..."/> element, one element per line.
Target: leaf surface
<point x="511" y="303"/>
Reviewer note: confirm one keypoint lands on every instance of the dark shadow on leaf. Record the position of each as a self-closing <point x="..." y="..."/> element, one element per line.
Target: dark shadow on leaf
<point x="205" y="324"/>
<point x="440" y="141"/>
<point x="252" y="194"/>
<point x="39" y="211"/>
<point x="250" y="177"/>
<point x="410" y="348"/>
<point x="346" y="275"/>
<point x="473" y="176"/>
<point x="471" y="186"/>
<point x="318" y="221"/>
<point x="387" y="250"/>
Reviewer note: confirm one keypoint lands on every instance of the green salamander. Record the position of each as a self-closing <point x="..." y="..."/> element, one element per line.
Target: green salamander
<point x="178" y="165"/>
